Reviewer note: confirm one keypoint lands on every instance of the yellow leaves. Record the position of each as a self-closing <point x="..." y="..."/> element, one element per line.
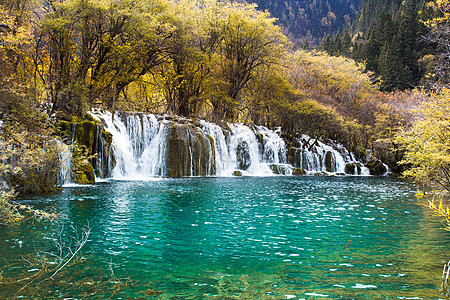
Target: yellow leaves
<point x="444" y="7"/>
<point x="441" y="211"/>
<point x="427" y="143"/>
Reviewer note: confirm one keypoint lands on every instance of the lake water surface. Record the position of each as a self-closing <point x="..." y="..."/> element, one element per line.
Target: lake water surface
<point x="232" y="238"/>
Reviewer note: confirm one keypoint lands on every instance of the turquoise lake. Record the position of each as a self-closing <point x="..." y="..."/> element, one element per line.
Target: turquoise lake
<point x="231" y="238"/>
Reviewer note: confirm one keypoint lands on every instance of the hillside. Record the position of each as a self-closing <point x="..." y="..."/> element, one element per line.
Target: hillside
<point x="311" y="20"/>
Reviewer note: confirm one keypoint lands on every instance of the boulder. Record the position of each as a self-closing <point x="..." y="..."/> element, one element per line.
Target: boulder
<point x="237" y="173"/>
<point x="243" y="155"/>
<point x="298" y="172"/>
<point x="190" y="152"/>
<point x="376" y="167"/>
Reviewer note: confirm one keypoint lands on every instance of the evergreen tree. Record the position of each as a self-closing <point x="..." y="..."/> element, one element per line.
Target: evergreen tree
<point x="371" y="53"/>
<point x="326" y="44"/>
<point x="337" y="47"/>
<point x="346" y="42"/>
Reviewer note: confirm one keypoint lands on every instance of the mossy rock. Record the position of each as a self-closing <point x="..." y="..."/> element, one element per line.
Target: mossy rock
<point x="82" y="170"/>
<point x="292" y="156"/>
<point x="63" y="129"/>
<point x="84" y="174"/>
<point x="350" y="169"/>
<point x="190" y="152"/>
<point x="376" y="168"/>
<point x="85" y="133"/>
<point x="237" y="173"/>
<point x="320" y="174"/>
<point x="298" y="172"/>
<point x="274" y="169"/>
<point x="243" y="155"/>
<point x="330" y="162"/>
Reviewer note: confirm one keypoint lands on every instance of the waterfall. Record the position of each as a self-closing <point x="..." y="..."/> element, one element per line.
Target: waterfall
<point x="315" y="156"/>
<point x="145" y="146"/>
<point x="138" y="144"/>
<point x="65" y="163"/>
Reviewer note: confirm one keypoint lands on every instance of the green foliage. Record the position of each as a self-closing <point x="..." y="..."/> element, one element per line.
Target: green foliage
<point x="310" y="21"/>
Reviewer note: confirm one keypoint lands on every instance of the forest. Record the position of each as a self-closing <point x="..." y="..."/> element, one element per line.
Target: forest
<point x="223" y="62"/>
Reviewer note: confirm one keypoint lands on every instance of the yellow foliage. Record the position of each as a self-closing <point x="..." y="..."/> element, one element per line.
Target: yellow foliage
<point x="441" y="211"/>
<point x="427" y="144"/>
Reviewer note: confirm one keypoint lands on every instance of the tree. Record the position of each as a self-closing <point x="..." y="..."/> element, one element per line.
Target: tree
<point x="346" y="42"/>
<point x="250" y="41"/>
<point x="191" y="52"/>
<point x="95" y="45"/>
<point x="440" y="35"/>
<point x="427" y="146"/>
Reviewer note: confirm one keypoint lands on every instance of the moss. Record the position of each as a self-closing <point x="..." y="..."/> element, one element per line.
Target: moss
<point x="376" y="167"/>
<point x="350" y="169"/>
<point x="274" y="169"/>
<point x="63" y="129"/>
<point x="75" y="119"/>
<point x="298" y="172"/>
<point x="82" y="170"/>
<point x="85" y="133"/>
<point x="330" y="162"/>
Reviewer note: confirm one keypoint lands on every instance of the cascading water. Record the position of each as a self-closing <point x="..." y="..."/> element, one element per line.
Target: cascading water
<point x="145" y="146"/>
<point x="138" y="145"/>
<point x="65" y="163"/>
<point x="315" y="156"/>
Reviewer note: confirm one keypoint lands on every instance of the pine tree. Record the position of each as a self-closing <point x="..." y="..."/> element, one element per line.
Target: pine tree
<point x="346" y="42"/>
<point x="371" y="53"/>
<point x="326" y="45"/>
<point x="337" y="47"/>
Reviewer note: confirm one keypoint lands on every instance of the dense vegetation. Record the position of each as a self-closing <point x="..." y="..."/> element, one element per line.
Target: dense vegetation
<point x="221" y="61"/>
<point x="306" y="22"/>
<point x="394" y="49"/>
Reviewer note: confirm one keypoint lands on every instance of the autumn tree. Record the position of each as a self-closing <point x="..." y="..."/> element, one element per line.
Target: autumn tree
<point x="185" y="77"/>
<point x="250" y="41"/>
<point x="440" y="34"/>
<point x="427" y="143"/>
<point x="96" y="45"/>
